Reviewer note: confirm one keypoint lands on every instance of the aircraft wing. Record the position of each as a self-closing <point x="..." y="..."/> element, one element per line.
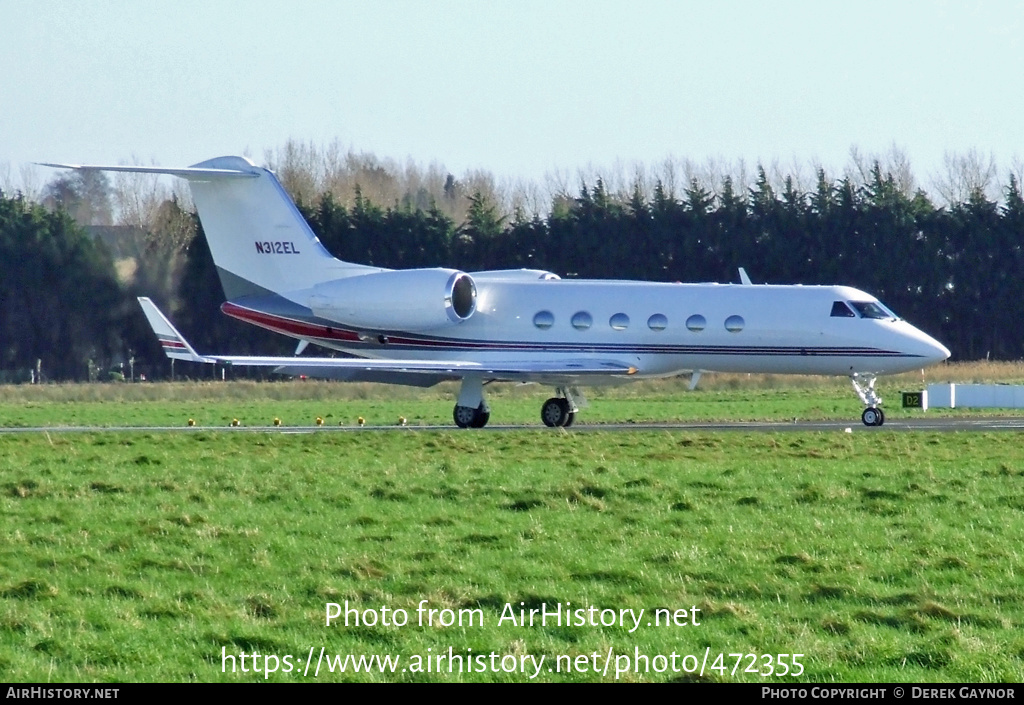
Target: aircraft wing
<point x="512" y="370"/>
<point x="393" y="371"/>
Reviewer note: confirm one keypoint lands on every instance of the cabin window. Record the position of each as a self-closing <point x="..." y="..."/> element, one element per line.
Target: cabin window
<point x="841" y="310"/>
<point x="581" y="320"/>
<point x="696" y="323"/>
<point x="657" y="322"/>
<point x="619" y="321"/>
<point x="544" y="320"/>
<point x="734" y="324"/>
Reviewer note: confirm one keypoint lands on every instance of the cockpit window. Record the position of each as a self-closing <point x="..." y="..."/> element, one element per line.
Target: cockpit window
<point x="841" y="310"/>
<point x="873" y="309"/>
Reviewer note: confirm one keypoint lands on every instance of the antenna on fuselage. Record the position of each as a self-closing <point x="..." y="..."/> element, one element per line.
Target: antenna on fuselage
<point x="744" y="279"/>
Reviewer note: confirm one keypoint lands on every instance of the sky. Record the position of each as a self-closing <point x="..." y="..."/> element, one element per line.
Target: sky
<point x="521" y="89"/>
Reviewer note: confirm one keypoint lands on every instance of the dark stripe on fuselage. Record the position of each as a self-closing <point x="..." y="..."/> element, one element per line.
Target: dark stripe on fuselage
<point x="331" y="336"/>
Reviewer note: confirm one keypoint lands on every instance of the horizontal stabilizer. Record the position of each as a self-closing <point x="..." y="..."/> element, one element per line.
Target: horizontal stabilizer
<point x="193" y="173"/>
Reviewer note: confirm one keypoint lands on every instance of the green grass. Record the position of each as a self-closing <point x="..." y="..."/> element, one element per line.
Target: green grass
<point x="881" y="557"/>
<point x="295" y="403"/>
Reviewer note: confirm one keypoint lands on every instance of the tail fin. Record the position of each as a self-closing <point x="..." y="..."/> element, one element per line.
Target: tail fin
<point x="259" y="241"/>
<point x="174" y="344"/>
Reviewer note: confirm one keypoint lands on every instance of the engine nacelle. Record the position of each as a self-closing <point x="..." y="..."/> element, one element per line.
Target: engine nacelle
<point x="405" y="299"/>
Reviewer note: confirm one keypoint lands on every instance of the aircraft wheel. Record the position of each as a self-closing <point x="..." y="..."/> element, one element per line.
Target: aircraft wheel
<point x="872" y="416"/>
<point x="464" y="416"/>
<point x="481" y="418"/>
<point x="555" y="412"/>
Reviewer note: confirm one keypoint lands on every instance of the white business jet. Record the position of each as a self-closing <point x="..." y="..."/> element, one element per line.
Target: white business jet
<point x="423" y="326"/>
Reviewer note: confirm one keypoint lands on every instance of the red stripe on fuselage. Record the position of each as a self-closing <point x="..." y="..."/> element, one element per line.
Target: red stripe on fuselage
<point x="301" y="329"/>
<point x="287" y="326"/>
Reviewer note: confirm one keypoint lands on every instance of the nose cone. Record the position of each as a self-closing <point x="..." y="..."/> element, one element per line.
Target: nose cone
<point x="929" y="348"/>
<point x="941" y="351"/>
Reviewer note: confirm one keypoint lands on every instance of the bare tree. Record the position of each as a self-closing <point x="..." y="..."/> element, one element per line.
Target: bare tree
<point x="641" y="182"/>
<point x="528" y="200"/>
<point x="155" y="226"/>
<point x="85" y="195"/>
<point x="668" y="175"/>
<point x="897" y="163"/>
<point x="858" y="168"/>
<point x="307" y="172"/>
<point x="1017" y="171"/>
<point x="28" y="185"/>
<point x="30" y="182"/>
<point x="966" y="175"/>
<point x="557" y="183"/>
<point x="894" y="162"/>
<point x="137" y="198"/>
<point x="298" y="166"/>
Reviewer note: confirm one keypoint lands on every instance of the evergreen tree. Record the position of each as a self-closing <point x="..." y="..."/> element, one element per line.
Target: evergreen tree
<point x="60" y="301"/>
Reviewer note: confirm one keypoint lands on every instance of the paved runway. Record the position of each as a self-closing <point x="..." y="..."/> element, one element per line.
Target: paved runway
<point x="1009" y="423"/>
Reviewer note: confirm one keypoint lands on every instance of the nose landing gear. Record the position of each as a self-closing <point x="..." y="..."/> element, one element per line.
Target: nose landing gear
<point x="864" y="385"/>
<point x="873" y="416"/>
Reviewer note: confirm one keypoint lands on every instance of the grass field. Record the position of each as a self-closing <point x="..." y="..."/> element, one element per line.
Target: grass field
<point x="718" y="398"/>
<point x="136" y="556"/>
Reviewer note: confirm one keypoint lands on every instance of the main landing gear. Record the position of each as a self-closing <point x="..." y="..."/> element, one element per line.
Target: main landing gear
<point x="556" y="412"/>
<point x="471" y="410"/>
<point x="560" y="412"/>
<point x="468" y="417"/>
<point x="864" y="385"/>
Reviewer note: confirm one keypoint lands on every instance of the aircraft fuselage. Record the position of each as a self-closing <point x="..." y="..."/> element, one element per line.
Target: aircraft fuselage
<point x="662" y="329"/>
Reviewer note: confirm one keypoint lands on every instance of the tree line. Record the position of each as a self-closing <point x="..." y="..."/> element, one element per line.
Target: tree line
<point x="67" y="302"/>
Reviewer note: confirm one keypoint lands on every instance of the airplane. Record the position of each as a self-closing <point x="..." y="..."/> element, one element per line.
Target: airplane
<point x="420" y="327"/>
